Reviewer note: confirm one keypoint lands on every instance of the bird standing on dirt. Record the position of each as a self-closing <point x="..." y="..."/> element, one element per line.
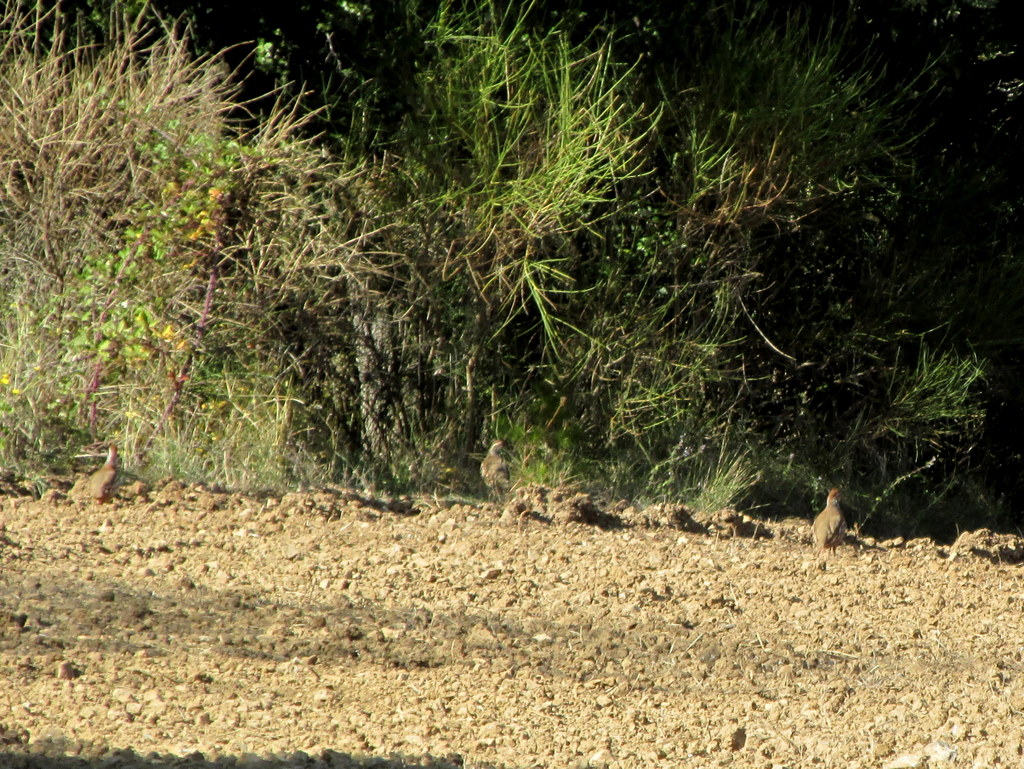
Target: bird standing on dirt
<point x="101" y="482"/>
<point x="494" y="469"/>
<point x="830" y="526"/>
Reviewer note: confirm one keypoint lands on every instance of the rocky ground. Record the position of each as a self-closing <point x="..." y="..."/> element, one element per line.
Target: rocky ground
<point x="181" y="626"/>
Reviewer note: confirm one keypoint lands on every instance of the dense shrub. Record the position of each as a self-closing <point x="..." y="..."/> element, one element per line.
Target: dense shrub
<point x="709" y="254"/>
<point x="145" y="239"/>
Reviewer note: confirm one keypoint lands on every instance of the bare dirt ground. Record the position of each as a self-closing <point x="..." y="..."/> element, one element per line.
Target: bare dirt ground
<point x="180" y="626"/>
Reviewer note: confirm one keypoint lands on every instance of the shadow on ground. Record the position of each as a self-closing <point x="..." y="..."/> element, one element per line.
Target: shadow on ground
<point x="128" y="759"/>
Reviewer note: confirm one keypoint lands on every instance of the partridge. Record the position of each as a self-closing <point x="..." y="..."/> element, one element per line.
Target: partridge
<point x="830" y="526"/>
<point x="494" y="469"/>
<point x="101" y="482"/>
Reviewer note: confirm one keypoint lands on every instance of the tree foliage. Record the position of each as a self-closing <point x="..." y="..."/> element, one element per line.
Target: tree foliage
<point x="732" y="252"/>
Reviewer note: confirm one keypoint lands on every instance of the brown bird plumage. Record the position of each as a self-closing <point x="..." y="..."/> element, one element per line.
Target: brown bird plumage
<point x="494" y="469"/>
<point x="830" y="526"/>
<point x="101" y="482"/>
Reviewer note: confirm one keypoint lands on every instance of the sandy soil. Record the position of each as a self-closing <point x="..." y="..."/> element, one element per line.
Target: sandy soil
<point x="180" y="626"/>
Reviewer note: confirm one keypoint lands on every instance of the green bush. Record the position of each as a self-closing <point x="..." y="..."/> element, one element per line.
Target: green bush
<point x="695" y="275"/>
<point x="145" y="238"/>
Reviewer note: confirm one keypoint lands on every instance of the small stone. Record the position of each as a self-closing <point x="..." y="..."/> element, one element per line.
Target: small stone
<point x="186" y="583"/>
<point x="481" y="636"/>
<point x="738" y="739"/>
<point x="940" y="751"/>
<point x="67" y="672"/>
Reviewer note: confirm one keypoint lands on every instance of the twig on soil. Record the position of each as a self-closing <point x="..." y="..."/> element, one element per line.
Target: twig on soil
<point x="700" y="636"/>
<point x="800" y="750"/>
<point x="839" y="654"/>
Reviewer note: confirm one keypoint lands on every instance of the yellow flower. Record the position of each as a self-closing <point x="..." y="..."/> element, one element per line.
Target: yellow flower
<point x="5" y="379"/>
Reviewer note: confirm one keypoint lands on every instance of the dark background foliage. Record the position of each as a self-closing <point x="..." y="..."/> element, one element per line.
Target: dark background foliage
<point x="776" y="296"/>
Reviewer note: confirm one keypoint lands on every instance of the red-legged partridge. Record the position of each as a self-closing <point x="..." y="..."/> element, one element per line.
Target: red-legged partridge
<point x="101" y="482"/>
<point x="830" y="526"/>
<point x="494" y="469"/>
